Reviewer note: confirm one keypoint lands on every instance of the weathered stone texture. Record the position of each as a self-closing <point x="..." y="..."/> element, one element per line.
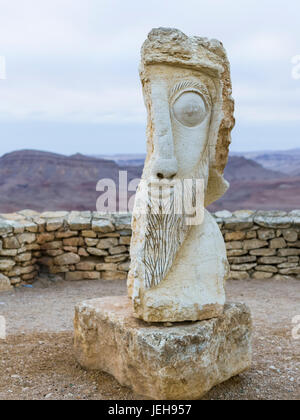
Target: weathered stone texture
<point x="5" y="284"/>
<point x="181" y="361"/>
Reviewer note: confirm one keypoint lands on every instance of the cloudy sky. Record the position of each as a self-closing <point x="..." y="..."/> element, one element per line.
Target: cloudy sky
<point x="72" y="70"/>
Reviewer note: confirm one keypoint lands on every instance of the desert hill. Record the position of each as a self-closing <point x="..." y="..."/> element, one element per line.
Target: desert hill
<point x="286" y="161"/>
<point x="42" y="180"/>
<point x="49" y="181"/>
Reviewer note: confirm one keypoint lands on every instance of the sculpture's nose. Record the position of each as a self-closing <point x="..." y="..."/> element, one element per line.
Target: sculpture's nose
<point x="165" y="168"/>
<point x="164" y="160"/>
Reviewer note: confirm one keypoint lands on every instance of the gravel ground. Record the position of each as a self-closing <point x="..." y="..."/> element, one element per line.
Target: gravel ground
<point x="37" y="360"/>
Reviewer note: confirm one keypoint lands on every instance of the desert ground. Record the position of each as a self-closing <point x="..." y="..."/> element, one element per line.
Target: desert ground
<point x="37" y="358"/>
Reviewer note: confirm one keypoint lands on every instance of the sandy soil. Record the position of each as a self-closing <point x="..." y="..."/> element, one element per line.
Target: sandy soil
<point x="37" y="360"/>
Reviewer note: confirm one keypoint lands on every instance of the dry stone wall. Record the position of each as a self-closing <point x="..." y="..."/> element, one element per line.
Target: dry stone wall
<point x="94" y="246"/>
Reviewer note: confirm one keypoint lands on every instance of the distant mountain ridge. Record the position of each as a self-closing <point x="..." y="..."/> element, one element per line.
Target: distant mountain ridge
<point x="242" y="169"/>
<point x="286" y="161"/>
<point x="42" y="180"/>
<point x="50" y="181"/>
<point x="125" y="160"/>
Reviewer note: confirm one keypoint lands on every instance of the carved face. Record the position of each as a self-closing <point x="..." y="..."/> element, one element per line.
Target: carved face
<point x="180" y="108"/>
<point x="179" y="104"/>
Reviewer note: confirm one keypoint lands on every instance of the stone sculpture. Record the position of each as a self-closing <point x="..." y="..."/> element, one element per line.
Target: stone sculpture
<point x="179" y="263"/>
<point x="178" y="271"/>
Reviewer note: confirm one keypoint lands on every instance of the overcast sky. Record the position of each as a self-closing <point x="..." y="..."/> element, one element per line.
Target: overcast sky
<point x="72" y="70"/>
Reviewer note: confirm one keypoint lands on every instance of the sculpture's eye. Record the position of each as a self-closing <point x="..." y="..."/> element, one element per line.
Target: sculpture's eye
<point x="190" y="109"/>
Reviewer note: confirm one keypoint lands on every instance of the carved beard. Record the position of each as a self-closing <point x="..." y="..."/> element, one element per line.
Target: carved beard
<point x="166" y="231"/>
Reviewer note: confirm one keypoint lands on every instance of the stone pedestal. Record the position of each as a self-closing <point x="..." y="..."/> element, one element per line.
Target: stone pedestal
<point x="162" y="361"/>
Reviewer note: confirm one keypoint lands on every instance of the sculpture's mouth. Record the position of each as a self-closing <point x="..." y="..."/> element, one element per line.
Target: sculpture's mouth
<point x="161" y="193"/>
<point x="161" y="190"/>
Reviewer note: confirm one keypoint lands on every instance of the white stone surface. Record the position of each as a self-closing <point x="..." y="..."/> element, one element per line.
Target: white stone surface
<point x="178" y="270"/>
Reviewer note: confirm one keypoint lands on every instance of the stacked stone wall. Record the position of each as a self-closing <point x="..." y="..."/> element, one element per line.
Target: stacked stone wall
<point x="95" y="246"/>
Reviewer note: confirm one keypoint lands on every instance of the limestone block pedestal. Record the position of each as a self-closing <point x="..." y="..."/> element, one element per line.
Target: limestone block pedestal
<point x="162" y="361"/>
